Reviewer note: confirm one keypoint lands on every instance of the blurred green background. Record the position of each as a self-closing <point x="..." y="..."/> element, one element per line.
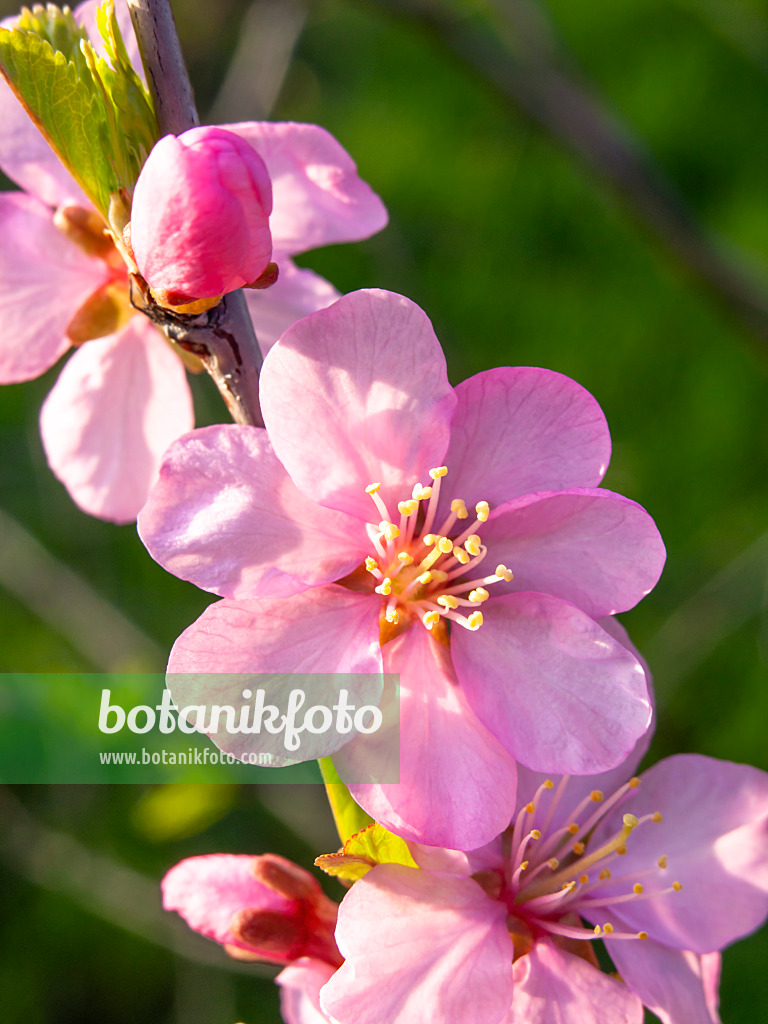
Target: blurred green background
<point x="581" y="186"/>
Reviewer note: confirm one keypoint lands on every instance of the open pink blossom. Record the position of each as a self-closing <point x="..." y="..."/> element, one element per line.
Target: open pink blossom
<point x="262" y="908"/>
<point x="666" y="870"/>
<point x="457" y="538"/>
<point x="200" y="215"/>
<point x="123" y="395"/>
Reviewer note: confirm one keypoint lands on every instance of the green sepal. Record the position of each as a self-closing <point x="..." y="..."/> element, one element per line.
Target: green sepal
<point x="363" y="851"/>
<point x="98" y="119"/>
<point x="348" y="815"/>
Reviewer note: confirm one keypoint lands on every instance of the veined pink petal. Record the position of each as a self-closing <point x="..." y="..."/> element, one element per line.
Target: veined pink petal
<point x="672" y="983"/>
<point x="327" y="629"/>
<point x="225" y="515"/>
<point x="517" y="430"/>
<point x="555" y="987"/>
<point x="117" y="405"/>
<point x="420" y="947"/>
<point x="296" y="293"/>
<point x="300" y="985"/>
<point x="44" y="279"/>
<point x="714" y="832"/>
<point x="200" y="214"/>
<point x="457" y="785"/>
<point x="358" y="394"/>
<point x="319" y="199"/>
<point x="596" y="549"/>
<point x="208" y="891"/>
<point x="559" y="693"/>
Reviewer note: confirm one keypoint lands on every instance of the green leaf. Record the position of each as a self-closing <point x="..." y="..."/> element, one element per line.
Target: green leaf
<point x="363" y="851"/>
<point x="96" y="116"/>
<point x="349" y="816"/>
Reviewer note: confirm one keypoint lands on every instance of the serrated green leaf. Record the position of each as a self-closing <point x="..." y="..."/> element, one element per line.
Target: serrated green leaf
<point x="348" y="815"/>
<point x="97" y="118"/>
<point x="363" y="851"/>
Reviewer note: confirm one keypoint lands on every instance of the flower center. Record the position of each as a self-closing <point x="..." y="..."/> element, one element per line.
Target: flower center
<point x="426" y="572"/>
<point x="555" y="875"/>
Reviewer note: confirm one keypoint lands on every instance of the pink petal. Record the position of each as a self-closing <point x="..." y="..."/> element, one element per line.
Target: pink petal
<point x="226" y="516"/>
<point x="207" y="891"/>
<point x="328" y="629"/>
<point x="296" y="293"/>
<point x="117" y="405"/>
<point x="714" y="831"/>
<point x="44" y="279"/>
<point x="26" y="157"/>
<point x="358" y="394"/>
<point x="319" y="199"/>
<point x="457" y="783"/>
<point x="517" y="430"/>
<point x="420" y="947"/>
<point x="555" y="987"/>
<point x="593" y="548"/>
<point x="300" y="985"/>
<point x="672" y="983"/>
<point x="559" y="693"/>
<point x="200" y="214"/>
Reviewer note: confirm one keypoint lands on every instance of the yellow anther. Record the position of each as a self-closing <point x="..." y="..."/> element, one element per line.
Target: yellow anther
<point x="608" y="929"/>
<point x="504" y="573"/>
<point x="598" y="930"/>
<point x="372" y="488"/>
<point x="573" y="829"/>
<point x="439" y="576"/>
<point x="420" y="493"/>
<point x="371" y="564"/>
<point x="677" y="886"/>
<point x="475" y="620"/>
<point x="479" y="595"/>
<point x="656" y="816"/>
<point x="634" y="783"/>
<point x="445" y="544"/>
<point x="596" y="795"/>
<point x="472" y="544"/>
<point x="385" y="587"/>
<point x="459" y="508"/>
<point x="605" y="874"/>
<point x="460" y="555"/>
<point x="579" y="848"/>
<point x="524" y="865"/>
<point x="568" y="886"/>
<point x="621" y="850"/>
<point x="482" y="510"/>
<point x="583" y="879"/>
<point x="549" y="784"/>
<point x="392" y="615"/>
<point x="637" y="888"/>
<point x="405" y="558"/>
<point x="440" y="471"/>
<point x="530" y="808"/>
<point x="407" y="508"/>
<point x="431" y="619"/>
<point x="535" y="834"/>
<point x="553" y="863"/>
<point x="448" y="601"/>
<point x="662" y="861"/>
<point x="642" y="935"/>
<point x="430" y="539"/>
<point x="390" y="530"/>
<point x="630" y="821"/>
<point x="426" y="577"/>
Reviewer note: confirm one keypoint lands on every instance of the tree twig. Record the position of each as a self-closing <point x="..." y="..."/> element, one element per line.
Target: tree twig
<point x="224" y="339"/>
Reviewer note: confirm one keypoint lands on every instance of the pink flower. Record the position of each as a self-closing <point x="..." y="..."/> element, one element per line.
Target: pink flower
<point x="372" y="521"/>
<point x="123" y="395"/>
<point x="200" y="215"/>
<point x="262" y="908"/>
<point x="666" y="870"/>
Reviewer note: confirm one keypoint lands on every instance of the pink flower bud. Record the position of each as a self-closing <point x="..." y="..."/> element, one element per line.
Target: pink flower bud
<point x="200" y="216"/>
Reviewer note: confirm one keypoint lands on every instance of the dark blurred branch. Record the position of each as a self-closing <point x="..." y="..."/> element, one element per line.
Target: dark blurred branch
<point x="524" y="63"/>
<point x="227" y="346"/>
